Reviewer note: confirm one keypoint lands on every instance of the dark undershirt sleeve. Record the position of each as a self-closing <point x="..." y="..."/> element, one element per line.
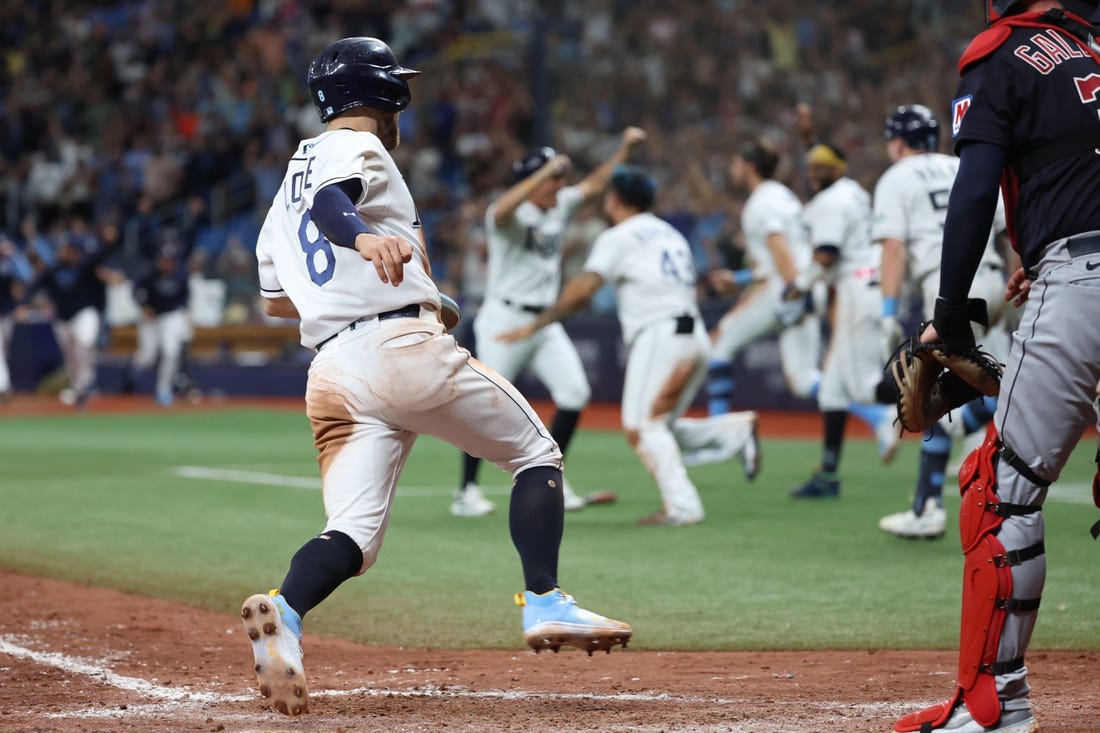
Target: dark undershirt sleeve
<point x="335" y="214"/>
<point x="970" y="212"/>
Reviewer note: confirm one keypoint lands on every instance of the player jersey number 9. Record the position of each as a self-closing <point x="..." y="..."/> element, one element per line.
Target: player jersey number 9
<point x="316" y="250"/>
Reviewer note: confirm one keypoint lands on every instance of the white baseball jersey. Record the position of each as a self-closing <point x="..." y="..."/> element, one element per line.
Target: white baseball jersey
<point x="911" y="205"/>
<point x="840" y="216"/>
<point x="333" y="286"/>
<point x="525" y="253"/>
<point x="772" y="208"/>
<point x="650" y="266"/>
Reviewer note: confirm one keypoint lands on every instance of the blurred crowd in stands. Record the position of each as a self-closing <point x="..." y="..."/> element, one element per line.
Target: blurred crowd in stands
<point x="144" y="123"/>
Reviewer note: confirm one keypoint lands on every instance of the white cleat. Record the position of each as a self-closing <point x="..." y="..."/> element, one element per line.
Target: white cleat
<point x="471" y="502"/>
<point x="572" y="500"/>
<point x="931" y="524"/>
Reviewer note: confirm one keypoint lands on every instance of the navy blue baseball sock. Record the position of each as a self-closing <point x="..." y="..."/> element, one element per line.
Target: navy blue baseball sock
<point x="536" y="518"/>
<point x="934" y="452"/>
<point x="318" y="568"/>
<point x="470" y="465"/>
<point x="719" y="387"/>
<point x="835" y="422"/>
<point x="561" y="429"/>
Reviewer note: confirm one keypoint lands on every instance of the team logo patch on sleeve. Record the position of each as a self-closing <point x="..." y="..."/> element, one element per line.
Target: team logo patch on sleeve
<point x="958" y="110"/>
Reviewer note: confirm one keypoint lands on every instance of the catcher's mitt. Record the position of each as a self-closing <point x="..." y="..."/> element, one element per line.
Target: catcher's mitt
<point x="932" y="381"/>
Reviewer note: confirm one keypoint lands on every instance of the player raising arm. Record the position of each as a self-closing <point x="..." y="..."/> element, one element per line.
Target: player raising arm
<point x="526" y="228"/>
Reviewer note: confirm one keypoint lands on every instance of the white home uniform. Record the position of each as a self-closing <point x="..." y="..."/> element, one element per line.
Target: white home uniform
<point x="910" y="205"/>
<point x="840" y="216"/>
<point x="651" y="268"/>
<point x="378" y="382"/>
<point x="524" y="278"/>
<point x="772" y="208"/>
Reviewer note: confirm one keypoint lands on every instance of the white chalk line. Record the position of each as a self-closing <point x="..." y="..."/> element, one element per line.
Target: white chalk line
<point x="177" y="699"/>
<point x="265" y="478"/>
<point x="1067" y="493"/>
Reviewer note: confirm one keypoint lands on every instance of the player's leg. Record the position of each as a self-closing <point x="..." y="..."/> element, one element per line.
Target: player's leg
<point x="1046" y="404"/>
<point x="483" y="414"/>
<point x="361" y="458"/>
<point x="832" y="400"/>
<point x="508" y="360"/>
<point x="861" y="298"/>
<point x="800" y="353"/>
<point x="6" y="325"/>
<point x="171" y="332"/>
<point x="556" y="363"/>
<point x="715" y="438"/>
<point x="752" y="317"/>
<point x="145" y="352"/>
<point x="85" y="336"/>
<point x="658" y="371"/>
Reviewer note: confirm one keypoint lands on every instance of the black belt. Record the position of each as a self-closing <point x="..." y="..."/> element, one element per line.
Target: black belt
<point x="536" y="309"/>
<point x="1086" y="245"/>
<point x="685" y="324"/>
<point x="408" y="311"/>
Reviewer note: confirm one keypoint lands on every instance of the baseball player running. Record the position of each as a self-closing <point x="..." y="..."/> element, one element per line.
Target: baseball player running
<point x="910" y="206"/>
<point x="1026" y="116"/>
<point x="342" y="249"/>
<point x="162" y="293"/>
<point x="525" y="228"/>
<point x="838" y="222"/>
<point x="777" y="249"/>
<point x="650" y="265"/>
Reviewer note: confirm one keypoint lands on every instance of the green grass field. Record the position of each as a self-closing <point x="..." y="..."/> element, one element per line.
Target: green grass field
<point x="99" y="499"/>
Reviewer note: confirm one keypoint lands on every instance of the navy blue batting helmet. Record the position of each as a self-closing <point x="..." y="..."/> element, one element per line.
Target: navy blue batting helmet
<point x="531" y="162"/>
<point x="916" y="125"/>
<point x="358" y="72"/>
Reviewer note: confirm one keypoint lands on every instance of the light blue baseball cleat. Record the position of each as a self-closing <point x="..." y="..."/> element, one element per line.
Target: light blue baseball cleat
<point x="275" y="630"/>
<point x="554" y="619"/>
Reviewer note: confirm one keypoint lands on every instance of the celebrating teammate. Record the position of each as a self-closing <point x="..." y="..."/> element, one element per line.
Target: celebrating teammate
<point x="342" y="249"/>
<point x="163" y="293"/>
<point x="650" y="265"/>
<point x="776" y="246"/>
<point x="1025" y="114"/>
<point x="525" y="228"/>
<point x="838" y="222"/>
<point x="910" y="206"/>
<point x="75" y="285"/>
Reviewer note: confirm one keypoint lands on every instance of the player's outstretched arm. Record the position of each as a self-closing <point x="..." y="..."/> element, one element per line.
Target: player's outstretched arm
<point x="576" y="294"/>
<point x="510" y="200"/>
<point x="594" y="183"/>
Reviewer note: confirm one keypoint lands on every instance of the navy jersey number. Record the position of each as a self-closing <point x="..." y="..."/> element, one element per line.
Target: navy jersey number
<point x="677" y="265"/>
<point x="314" y="249"/>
